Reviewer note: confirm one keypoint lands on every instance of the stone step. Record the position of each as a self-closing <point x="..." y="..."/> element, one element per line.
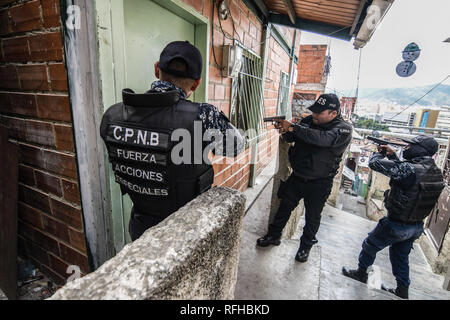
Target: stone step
<point x="272" y="273"/>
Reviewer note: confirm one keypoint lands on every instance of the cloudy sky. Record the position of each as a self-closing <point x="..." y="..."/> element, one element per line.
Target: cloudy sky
<point x="426" y="23"/>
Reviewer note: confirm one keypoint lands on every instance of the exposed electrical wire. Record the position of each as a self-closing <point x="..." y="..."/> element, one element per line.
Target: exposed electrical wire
<point x="448" y="76"/>
<point x="212" y="36"/>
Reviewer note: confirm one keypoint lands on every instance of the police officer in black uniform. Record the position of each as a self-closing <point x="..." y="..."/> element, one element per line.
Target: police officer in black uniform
<point x="320" y="141"/>
<point x="416" y="184"/>
<point x="139" y="135"/>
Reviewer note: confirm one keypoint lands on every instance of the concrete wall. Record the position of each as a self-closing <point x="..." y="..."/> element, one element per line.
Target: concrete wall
<point x="379" y="184"/>
<point x="193" y="254"/>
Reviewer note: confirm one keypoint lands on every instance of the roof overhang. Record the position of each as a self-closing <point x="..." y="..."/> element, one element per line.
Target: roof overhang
<point x="334" y="18"/>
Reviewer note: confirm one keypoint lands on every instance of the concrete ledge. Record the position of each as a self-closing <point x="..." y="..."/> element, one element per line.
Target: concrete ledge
<point x="193" y="254"/>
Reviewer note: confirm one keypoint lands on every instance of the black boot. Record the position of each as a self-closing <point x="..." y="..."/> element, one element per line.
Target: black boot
<point x="302" y="255"/>
<point x="268" y="240"/>
<point x="400" y="291"/>
<point x="358" y="274"/>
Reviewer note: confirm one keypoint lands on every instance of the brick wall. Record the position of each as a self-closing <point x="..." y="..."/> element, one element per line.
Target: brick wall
<point x="235" y="173"/>
<point x="34" y="104"/>
<point x="311" y="60"/>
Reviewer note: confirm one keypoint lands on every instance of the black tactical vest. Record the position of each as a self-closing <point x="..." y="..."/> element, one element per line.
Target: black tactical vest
<point x="138" y="136"/>
<point x="313" y="161"/>
<point x="415" y="203"/>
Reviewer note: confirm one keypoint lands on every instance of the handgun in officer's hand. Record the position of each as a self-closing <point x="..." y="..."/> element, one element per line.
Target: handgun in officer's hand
<point x="383" y="145"/>
<point x="275" y="119"/>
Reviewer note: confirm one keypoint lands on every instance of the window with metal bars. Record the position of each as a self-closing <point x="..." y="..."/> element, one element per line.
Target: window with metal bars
<point x="247" y="110"/>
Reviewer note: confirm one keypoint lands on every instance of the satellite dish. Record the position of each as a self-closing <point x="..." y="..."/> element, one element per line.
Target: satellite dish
<point x="411" y="52"/>
<point x="406" y="68"/>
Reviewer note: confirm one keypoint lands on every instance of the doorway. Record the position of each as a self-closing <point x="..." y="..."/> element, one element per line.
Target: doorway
<point x="131" y="36"/>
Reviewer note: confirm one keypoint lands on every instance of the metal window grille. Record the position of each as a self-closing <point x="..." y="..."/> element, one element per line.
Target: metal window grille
<point x="283" y="95"/>
<point x="247" y="96"/>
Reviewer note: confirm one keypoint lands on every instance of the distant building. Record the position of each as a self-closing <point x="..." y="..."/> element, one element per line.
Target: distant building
<point x="443" y="120"/>
<point x="426" y="118"/>
<point x="312" y="75"/>
<point x="374" y="116"/>
<point x="402" y="119"/>
<point x="348" y="107"/>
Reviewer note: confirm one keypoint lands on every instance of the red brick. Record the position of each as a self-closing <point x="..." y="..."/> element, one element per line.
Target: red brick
<point x="64" y="138"/>
<point x="243" y="8"/>
<point x="46" y="47"/>
<point x="16" y="50"/>
<point x="26" y="17"/>
<point x="33" y="77"/>
<point x="39" y="132"/>
<point x="30" y="215"/>
<point x="34" y="198"/>
<point x="74" y="258"/>
<point x="207" y="8"/>
<point x="39" y="237"/>
<point x="55" y="228"/>
<point x="51" y="13"/>
<point x="23" y="104"/>
<point x="51" y="161"/>
<point x="9" y="78"/>
<point x="227" y="27"/>
<point x="78" y="240"/>
<point x="4" y="3"/>
<point x="5" y="22"/>
<point x="16" y="127"/>
<point x="71" y="192"/>
<point x="235" y="12"/>
<point x="58" y="77"/>
<point x="210" y="92"/>
<point x="37" y="252"/>
<point x="67" y="214"/>
<point x="26" y="175"/>
<point x="54" y="107"/>
<point x="219" y="92"/>
<point x="56" y="278"/>
<point x="58" y="266"/>
<point x="49" y="183"/>
<point x="196" y="4"/>
<point x="215" y="75"/>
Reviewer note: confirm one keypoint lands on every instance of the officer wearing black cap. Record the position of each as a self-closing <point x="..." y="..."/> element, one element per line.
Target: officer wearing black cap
<point x="139" y="134"/>
<point x="320" y="141"/>
<point x="416" y="184"/>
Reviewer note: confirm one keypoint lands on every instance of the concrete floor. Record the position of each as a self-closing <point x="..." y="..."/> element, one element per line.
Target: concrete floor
<point x="351" y="204"/>
<point x="272" y="273"/>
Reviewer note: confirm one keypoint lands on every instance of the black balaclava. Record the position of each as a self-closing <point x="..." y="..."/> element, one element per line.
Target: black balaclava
<point x="415" y="151"/>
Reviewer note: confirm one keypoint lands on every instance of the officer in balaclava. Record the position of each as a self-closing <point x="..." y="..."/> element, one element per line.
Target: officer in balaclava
<point x="416" y="184"/>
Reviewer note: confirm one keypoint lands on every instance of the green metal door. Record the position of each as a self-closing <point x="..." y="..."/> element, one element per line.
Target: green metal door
<point x="132" y="34"/>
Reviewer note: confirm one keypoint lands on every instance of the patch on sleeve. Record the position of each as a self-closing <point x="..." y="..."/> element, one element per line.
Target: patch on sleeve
<point x="344" y="131"/>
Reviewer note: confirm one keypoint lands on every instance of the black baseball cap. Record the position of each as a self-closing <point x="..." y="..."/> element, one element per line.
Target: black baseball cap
<point x="188" y="53"/>
<point x="328" y="101"/>
<point x="427" y="142"/>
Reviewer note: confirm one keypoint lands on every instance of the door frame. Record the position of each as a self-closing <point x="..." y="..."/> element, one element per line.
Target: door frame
<point x="112" y="79"/>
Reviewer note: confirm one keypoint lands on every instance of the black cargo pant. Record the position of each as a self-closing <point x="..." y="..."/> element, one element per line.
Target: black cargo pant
<point x="315" y="193"/>
<point x="139" y="223"/>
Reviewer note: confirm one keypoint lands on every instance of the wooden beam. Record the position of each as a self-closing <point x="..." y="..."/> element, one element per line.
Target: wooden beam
<point x="358" y="15"/>
<point x="312" y="26"/>
<point x="290" y="10"/>
<point x="260" y="4"/>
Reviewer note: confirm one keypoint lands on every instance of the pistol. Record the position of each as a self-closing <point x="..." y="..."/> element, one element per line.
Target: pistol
<point x="272" y="119"/>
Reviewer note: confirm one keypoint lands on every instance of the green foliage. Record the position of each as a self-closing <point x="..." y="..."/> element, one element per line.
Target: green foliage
<point x="365" y="123"/>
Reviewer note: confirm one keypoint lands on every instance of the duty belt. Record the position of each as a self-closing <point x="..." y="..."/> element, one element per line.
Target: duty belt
<point x="303" y="179"/>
